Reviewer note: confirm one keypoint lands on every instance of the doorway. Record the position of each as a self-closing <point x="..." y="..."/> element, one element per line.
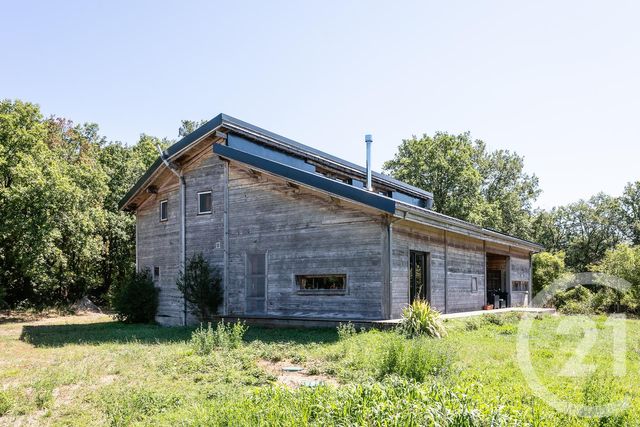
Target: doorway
<point x="419" y="277"/>
<point x="498" y="280"/>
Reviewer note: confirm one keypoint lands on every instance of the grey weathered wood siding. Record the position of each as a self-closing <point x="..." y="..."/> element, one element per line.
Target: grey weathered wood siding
<point x="159" y="245"/>
<point x="519" y="271"/>
<point x="303" y="233"/>
<point x="404" y="240"/>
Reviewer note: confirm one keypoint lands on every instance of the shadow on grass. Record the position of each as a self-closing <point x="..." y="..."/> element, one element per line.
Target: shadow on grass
<point x="291" y="335"/>
<point x="101" y="333"/>
<point x="121" y="333"/>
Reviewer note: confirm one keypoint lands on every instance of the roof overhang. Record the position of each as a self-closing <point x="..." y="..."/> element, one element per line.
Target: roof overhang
<point x="308" y="179"/>
<point x="407" y="212"/>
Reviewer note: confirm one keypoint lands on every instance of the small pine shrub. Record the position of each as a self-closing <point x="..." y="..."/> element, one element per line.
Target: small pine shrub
<point x="201" y="286"/>
<point x="224" y="336"/>
<point x="420" y="319"/>
<point x="135" y="300"/>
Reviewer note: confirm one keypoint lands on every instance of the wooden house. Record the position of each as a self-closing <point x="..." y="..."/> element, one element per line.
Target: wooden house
<point x="297" y="233"/>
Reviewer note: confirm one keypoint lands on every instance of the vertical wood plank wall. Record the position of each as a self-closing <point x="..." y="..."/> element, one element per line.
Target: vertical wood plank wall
<point x="305" y="232"/>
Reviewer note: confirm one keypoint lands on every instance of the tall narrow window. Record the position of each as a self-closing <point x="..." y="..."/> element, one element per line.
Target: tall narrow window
<point x="256" y="283"/>
<point x="156" y="273"/>
<point x="164" y="214"/>
<point x="204" y="203"/>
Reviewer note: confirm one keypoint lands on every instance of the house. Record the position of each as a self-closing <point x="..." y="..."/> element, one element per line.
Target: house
<point x="300" y="234"/>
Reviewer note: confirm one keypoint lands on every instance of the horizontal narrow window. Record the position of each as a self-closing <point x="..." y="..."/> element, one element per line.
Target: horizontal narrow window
<point x="163" y="211"/>
<point x="204" y="203"/>
<point x="333" y="282"/>
<point x="520" y="285"/>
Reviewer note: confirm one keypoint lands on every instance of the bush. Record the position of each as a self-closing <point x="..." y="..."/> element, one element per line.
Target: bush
<point x="226" y="335"/>
<point x="201" y="286"/>
<point x="546" y="268"/>
<point x="416" y="359"/>
<point x="420" y="319"/>
<point x="136" y="299"/>
<point x="346" y="331"/>
<point x="577" y="300"/>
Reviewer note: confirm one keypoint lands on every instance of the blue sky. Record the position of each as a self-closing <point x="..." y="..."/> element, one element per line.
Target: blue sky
<point x="557" y="82"/>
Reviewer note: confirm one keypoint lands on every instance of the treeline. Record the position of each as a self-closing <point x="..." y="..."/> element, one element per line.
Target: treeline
<point x="491" y="189"/>
<point x="61" y="234"/>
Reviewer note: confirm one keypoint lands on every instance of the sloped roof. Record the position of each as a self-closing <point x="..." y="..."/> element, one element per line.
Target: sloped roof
<point x="226" y="121"/>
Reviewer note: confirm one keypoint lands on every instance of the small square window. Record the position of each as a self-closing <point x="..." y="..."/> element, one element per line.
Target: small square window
<point x="164" y="214"/>
<point x="204" y="203"/>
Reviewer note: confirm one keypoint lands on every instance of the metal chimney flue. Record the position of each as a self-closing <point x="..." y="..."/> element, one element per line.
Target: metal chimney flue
<point x="368" y="139"/>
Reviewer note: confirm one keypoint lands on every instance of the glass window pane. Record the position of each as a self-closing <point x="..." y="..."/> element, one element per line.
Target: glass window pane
<point x="205" y="202"/>
<point x="329" y="282"/>
<point x="255" y="287"/>
<point x="256" y="264"/>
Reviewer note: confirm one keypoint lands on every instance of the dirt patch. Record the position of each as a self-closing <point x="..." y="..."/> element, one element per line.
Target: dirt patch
<point x="294" y="379"/>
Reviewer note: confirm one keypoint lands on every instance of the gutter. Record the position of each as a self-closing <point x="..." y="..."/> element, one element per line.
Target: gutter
<point x="183" y="187"/>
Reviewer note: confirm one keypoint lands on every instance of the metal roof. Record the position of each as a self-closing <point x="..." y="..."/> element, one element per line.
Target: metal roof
<point x="226" y="121"/>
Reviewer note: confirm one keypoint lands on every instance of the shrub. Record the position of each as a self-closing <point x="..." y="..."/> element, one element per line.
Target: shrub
<point x="420" y="319"/>
<point x="135" y="300"/>
<point x="346" y="331"/>
<point x="201" y="286"/>
<point x="225" y="335"/>
<point x="493" y="319"/>
<point x="578" y="300"/>
<point x="417" y="359"/>
<point x="546" y="268"/>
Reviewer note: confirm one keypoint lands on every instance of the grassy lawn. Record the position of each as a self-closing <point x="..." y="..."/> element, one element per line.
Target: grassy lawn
<point x="90" y="370"/>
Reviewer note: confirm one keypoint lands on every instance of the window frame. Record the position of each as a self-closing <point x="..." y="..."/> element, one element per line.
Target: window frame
<point x="523" y="286"/>
<point x="210" y="211"/>
<point x="300" y="291"/>
<point x="164" y="202"/>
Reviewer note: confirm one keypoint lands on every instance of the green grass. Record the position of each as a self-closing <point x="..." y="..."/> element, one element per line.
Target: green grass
<point x="89" y="370"/>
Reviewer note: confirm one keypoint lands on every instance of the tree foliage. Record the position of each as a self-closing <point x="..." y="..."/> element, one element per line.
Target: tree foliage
<point x="135" y="300"/>
<point x="547" y="267"/>
<point x="468" y="182"/>
<point x="61" y="233"/>
<point x="201" y="286"/>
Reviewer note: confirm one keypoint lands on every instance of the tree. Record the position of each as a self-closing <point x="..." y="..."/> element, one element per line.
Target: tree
<point x="584" y="230"/>
<point x="188" y="126"/>
<point x="630" y="210"/>
<point x="487" y="188"/>
<point x="444" y="164"/>
<point x="546" y="268"/>
<point x="201" y="286"/>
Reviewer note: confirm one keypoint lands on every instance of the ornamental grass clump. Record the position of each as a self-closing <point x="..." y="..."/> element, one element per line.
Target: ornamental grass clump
<point x="420" y="319"/>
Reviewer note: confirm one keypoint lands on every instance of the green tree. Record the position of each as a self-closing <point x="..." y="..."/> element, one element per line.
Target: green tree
<point x="188" y="126"/>
<point x="630" y="208"/>
<point x="201" y="286"/>
<point x="490" y="189"/>
<point x="584" y="230"/>
<point x="547" y="267"/>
